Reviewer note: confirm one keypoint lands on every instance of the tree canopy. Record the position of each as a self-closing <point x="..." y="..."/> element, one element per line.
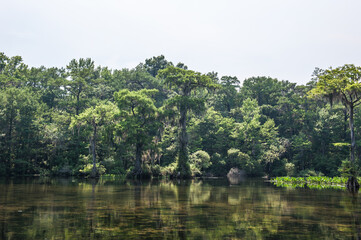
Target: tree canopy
<point x="160" y="119"/>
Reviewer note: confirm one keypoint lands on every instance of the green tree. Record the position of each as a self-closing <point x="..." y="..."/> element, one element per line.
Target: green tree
<point x="258" y="140"/>
<point x="20" y="143"/>
<point x="342" y="84"/>
<point x="95" y="118"/>
<point x="13" y="71"/>
<point x="212" y="133"/>
<point x="264" y="89"/>
<point x="81" y="75"/>
<point x="136" y="79"/>
<point x="227" y="95"/>
<point x="183" y="82"/>
<point x="154" y="64"/>
<point x="51" y="82"/>
<point x="138" y="121"/>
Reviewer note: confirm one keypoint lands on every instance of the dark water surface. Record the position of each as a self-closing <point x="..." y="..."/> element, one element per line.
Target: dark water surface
<point x="110" y="209"/>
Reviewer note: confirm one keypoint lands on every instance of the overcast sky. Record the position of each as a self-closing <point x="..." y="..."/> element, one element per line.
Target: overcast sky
<point x="284" y="39"/>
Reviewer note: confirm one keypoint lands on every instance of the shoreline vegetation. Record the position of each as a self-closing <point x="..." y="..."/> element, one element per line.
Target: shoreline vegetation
<point x="312" y="182"/>
<point x="161" y="119"/>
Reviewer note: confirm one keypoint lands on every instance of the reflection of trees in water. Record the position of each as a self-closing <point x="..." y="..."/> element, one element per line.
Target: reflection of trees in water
<point x="351" y="204"/>
<point x="173" y="210"/>
<point x="182" y="208"/>
<point x="3" y="216"/>
<point x="90" y="211"/>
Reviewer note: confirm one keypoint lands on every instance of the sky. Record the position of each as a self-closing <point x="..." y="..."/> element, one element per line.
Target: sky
<point x="283" y="39"/>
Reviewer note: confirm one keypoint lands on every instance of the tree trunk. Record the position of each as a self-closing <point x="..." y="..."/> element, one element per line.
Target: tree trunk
<point x="183" y="169"/>
<point x="352" y="183"/>
<point x="345" y="124"/>
<point x="92" y="144"/>
<point x="228" y="107"/>
<point x="10" y="143"/>
<point x="138" y="160"/>
<point x="353" y="141"/>
<point x="77" y="108"/>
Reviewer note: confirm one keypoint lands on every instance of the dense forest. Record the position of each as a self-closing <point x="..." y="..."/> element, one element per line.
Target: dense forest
<point x="161" y="119"/>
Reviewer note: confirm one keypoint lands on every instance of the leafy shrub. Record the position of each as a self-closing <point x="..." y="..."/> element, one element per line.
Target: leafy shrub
<point x="349" y="169"/>
<point x="87" y="169"/>
<point x="156" y="171"/>
<point x="195" y="170"/>
<point x="200" y="160"/>
<point x="112" y="166"/>
<point x="170" y="170"/>
<point x="235" y="158"/>
<point x="290" y="169"/>
<point x="243" y="161"/>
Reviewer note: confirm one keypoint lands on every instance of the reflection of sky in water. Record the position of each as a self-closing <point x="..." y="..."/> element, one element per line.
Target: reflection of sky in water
<point x="214" y="209"/>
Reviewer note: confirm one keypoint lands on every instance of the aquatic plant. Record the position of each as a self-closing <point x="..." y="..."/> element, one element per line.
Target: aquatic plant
<point x="312" y="182"/>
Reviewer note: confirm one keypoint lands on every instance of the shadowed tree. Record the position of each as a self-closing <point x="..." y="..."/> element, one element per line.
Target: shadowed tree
<point x="138" y="121"/>
<point x="184" y="82"/>
<point x="227" y="94"/>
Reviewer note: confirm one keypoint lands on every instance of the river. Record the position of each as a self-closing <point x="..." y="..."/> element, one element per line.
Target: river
<point x="53" y="208"/>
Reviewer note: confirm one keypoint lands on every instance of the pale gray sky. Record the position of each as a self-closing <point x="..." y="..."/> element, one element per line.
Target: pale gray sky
<point x="284" y="39"/>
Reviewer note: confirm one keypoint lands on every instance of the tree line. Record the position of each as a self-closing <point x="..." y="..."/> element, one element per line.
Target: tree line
<point x="162" y="119"/>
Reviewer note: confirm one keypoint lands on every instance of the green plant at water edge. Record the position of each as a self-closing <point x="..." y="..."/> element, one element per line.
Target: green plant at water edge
<point x="349" y="169"/>
<point x="314" y="182"/>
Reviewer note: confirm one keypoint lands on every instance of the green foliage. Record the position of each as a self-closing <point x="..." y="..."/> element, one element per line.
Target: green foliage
<point x="113" y="166"/>
<point x="82" y="78"/>
<point x="227" y="96"/>
<point x="170" y="170"/>
<point x="238" y="159"/>
<point x="341" y="84"/>
<point x="219" y="165"/>
<point x="318" y="182"/>
<point x="154" y="64"/>
<point x="87" y="169"/>
<point x="266" y="90"/>
<point x="134" y="123"/>
<point x="310" y="173"/>
<point x="101" y="114"/>
<point x="212" y="133"/>
<point x="199" y="162"/>
<point x="183" y="82"/>
<point x="168" y="145"/>
<point x="349" y="169"/>
<point x="341" y="145"/>
<point x="138" y="121"/>
<point x="290" y="169"/>
<point x="95" y="118"/>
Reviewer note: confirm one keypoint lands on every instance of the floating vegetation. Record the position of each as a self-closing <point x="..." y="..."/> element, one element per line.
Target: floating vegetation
<point x="311" y="182"/>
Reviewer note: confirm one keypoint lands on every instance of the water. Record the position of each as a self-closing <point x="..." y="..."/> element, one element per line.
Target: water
<point x="110" y="209"/>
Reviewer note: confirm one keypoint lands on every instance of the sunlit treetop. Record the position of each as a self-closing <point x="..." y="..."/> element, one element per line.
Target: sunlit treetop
<point x="342" y="84"/>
